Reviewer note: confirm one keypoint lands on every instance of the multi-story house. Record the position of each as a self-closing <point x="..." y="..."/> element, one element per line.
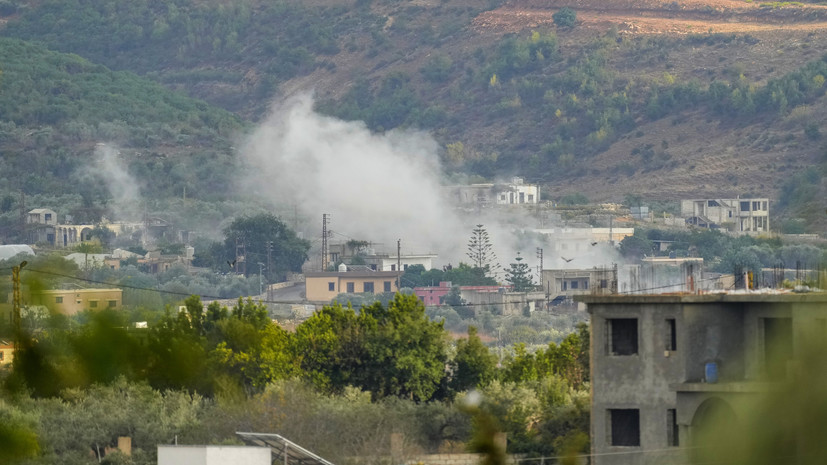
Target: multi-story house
<point x="736" y="215"/>
<point x="664" y="366"/>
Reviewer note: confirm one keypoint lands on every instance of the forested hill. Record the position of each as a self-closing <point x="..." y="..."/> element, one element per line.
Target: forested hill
<point x="55" y="108"/>
<point x="661" y="99"/>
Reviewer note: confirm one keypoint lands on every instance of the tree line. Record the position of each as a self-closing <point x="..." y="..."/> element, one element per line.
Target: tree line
<point x="228" y="358"/>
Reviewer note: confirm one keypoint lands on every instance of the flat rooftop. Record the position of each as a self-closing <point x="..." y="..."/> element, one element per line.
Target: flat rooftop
<point x="779" y="297"/>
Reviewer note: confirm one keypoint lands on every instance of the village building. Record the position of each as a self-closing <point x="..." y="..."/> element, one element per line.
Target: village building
<point x="662" y="366"/>
<point x="746" y="216"/>
<point x="72" y="301"/>
<point x="323" y="286"/>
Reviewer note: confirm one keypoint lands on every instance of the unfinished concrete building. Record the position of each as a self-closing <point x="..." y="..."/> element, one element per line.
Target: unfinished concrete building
<point x="663" y="365"/>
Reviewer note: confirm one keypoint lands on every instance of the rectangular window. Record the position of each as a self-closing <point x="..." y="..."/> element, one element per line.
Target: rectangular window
<point x="331" y="286"/>
<point x="393" y="267"/>
<point x="405" y="267"/>
<point x="373" y="266"/>
<point x="622" y="336"/>
<point x="671" y="335"/>
<point x="565" y="283"/>
<point x="764" y="206"/>
<point x="574" y="284"/>
<point x="387" y="286"/>
<point x="522" y="197"/>
<point x="625" y="427"/>
<point x="778" y="345"/>
<point x="756" y="206"/>
<point x="59" y="300"/>
<point x="48" y="217"/>
<point x="585" y="284"/>
<point x="2" y="355"/>
<point x="672" y="439"/>
<point x="113" y="303"/>
<point x="744" y="206"/>
<point x="530" y="198"/>
<point x="604" y="283"/>
<point x="368" y="287"/>
<point x="350" y="287"/>
<point x="93" y="304"/>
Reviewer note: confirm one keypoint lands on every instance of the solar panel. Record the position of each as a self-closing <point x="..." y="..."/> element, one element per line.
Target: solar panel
<point x="287" y="451"/>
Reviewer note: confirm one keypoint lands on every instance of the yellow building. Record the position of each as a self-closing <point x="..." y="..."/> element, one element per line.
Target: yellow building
<point x="6" y="352"/>
<point x="72" y="301"/>
<point x="324" y="286"/>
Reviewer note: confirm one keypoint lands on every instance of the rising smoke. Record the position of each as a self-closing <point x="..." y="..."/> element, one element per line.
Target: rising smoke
<point x="124" y="188"/>
<point x="376" y="187"/>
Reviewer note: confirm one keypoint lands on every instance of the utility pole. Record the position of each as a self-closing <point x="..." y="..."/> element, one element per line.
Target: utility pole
<point x="260" y="290"/>
<point x="398" y="264"/>
<point x="15" y="276"/>
<point x="269" y="254"/>
<point x="325" y="251"/>
<point x="540" y="266"/>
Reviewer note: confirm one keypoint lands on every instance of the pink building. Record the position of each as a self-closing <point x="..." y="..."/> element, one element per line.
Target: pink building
<point x="432" y="295"/>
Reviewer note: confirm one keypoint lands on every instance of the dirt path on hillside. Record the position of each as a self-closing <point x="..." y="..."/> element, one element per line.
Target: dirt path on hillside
<point x="656" y="16"/>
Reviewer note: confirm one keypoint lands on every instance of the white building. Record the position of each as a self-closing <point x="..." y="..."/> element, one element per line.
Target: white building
<point x="516" y="192"/>
<point x="213" y="455"/>
<point x="737" y="215"/>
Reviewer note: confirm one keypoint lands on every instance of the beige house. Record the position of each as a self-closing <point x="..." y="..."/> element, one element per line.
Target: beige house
<point x="324" y="286"/>
<point x="72" y="301"/>
<point x="6" y="352"/>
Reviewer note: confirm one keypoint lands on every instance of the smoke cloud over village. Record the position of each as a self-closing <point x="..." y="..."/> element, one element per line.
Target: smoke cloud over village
<point x="378" y="187"/>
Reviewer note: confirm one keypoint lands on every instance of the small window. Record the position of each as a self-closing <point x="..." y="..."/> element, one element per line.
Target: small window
<point x="622" y="336"/>
<point x="585" y="284"/>
<point x="373" y="266"/>
<point x="59" y="300"/>
<point x="93" y="304"/>
<point x="671" y="335"/>
<point x="388" y="286"/>
<point x="604" y="283"/>
<point x="393" y="267"/>
<point x="350" y="287"/>
<point x="405" y="267"/>
<point x="48" y="217"/>
<point x="368" y="287"/>
<point x="502" y="197"/>
<point x="756" y="206"/>
<point x="672" y="439"/>
<point x="744" y="206"/>
<point x="113" y="303"/>
<point x="625" y="427"/>
<point x="530" y="198"/>
<point x="574" y="284"/>
<point x="331" y="286"/>
<point x="565" y="284"/>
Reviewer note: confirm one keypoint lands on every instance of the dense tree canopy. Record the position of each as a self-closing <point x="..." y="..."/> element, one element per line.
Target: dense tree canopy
<point x="264" y="239"/>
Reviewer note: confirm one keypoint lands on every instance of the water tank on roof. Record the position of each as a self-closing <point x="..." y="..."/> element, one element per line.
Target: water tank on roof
<point x="342" y="268"/>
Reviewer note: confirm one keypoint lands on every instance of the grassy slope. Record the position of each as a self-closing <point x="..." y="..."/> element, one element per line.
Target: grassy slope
<point x="509" y="128"/>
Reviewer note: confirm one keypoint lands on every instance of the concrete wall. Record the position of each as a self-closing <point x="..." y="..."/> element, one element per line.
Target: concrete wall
<point x="213" y="455"/>
<point x="638" y="381"/>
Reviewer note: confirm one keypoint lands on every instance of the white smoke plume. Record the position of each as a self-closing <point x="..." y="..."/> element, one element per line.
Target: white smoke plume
<point x="124" y="188"/>
<point x="375" y="187"/>
<point x="380" y="188"/>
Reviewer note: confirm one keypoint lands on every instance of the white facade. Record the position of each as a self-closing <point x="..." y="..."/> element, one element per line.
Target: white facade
<point x="737" y="215"/>
<point x="213" y="455"/>
<point x="390" y="262"/>
<point x="515" y="192"/>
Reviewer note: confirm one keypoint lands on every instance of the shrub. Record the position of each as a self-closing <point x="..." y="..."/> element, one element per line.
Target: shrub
<point x="565" y="17"/>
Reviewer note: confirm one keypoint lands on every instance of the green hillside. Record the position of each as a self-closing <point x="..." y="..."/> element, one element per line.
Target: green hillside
<point x="584" y="107"/>
<point x="55" y="108"/>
